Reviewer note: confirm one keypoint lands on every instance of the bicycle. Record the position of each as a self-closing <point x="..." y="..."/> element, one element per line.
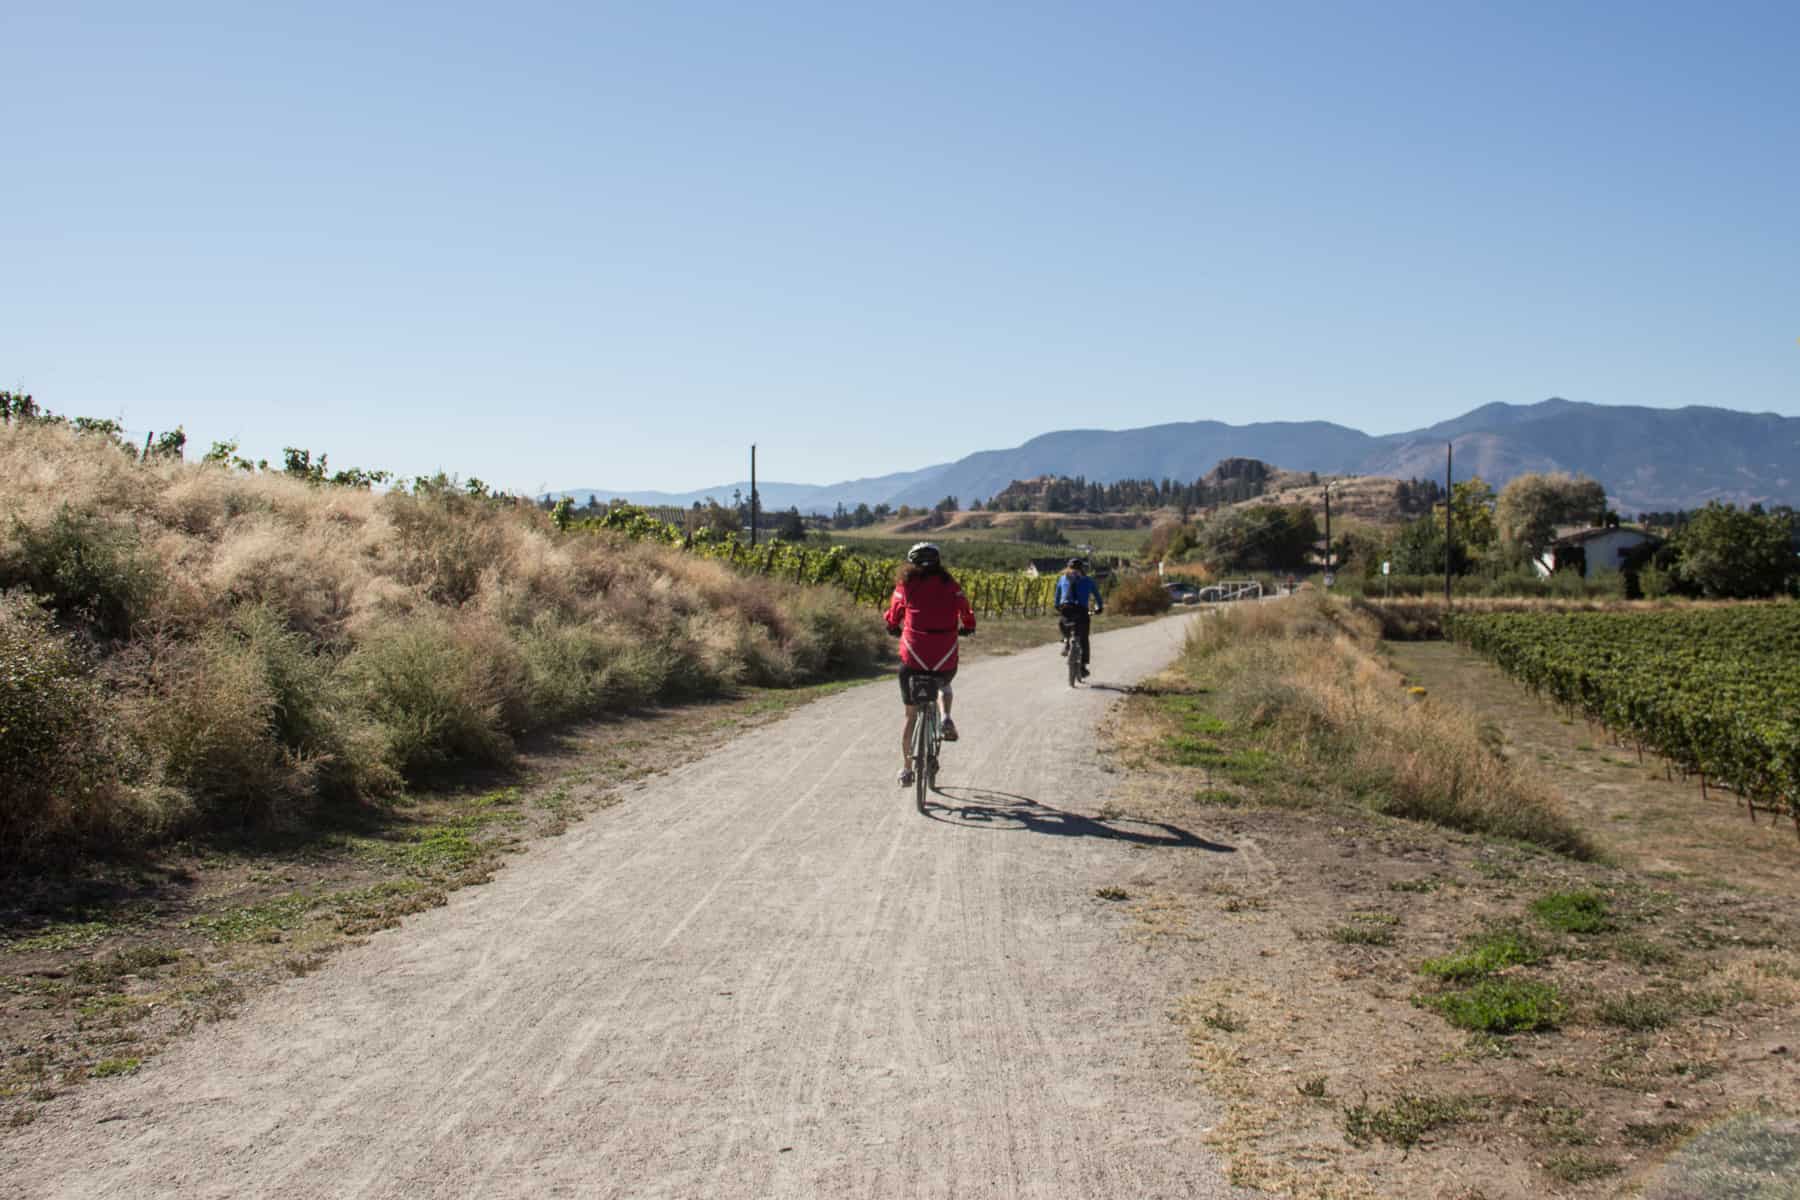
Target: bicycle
<point x="1072" y="648"/>
<point x="928" y="734"/>
<point x="1071" y="651"/>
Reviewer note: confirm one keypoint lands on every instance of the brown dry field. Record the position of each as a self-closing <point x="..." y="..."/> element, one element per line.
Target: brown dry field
<point x="1309" y="1031"/>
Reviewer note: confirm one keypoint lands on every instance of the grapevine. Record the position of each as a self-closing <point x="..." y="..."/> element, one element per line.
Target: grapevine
<point x="1716" y="691"/>
<point x="869" y="580"/>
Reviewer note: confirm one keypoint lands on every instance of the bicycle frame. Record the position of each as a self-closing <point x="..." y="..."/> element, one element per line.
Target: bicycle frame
<point x="928" y="734"/>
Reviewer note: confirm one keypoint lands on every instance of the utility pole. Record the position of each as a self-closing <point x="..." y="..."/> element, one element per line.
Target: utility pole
<point x="1449" y="454"/>
<point x="1328" y="535"/>
<point x="753" y="493"/>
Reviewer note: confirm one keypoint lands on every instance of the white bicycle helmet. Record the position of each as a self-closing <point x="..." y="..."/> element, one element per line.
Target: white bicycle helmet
<point x="924" y="554"/>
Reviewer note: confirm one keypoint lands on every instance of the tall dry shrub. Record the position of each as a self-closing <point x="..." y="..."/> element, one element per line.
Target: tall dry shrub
<point x="87" y="566"/>
<point x="439" y="692"/>
<point x="267" y="641"/>
<point x="67" y="772"/>
<point x="1141" y="595"/>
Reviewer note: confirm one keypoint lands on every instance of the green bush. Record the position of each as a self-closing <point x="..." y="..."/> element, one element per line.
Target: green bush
<point x="1500" y="1006"/>
<point x="435" y="703"/>
<point x="85" y="567"/>
<point x="830" y="636"/>
<point x="1140" y="595"/>
<point x="1573" y="912"/>
<point x="209" y="713"/>
<point x="1486" y="953"/>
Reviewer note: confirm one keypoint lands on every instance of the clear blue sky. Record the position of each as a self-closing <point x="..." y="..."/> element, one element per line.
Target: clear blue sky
<point x="612" y="245"/>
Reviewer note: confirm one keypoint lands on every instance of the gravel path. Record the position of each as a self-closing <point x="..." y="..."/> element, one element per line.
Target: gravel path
<point x="766" y="974"/>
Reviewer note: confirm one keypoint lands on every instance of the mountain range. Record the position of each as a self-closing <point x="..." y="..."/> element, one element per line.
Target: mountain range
<point x="1649" y="459"/>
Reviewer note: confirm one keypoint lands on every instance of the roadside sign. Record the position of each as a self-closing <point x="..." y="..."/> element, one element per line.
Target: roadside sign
<point x="1330" y="579"/>
<point x="1384" y="566"/>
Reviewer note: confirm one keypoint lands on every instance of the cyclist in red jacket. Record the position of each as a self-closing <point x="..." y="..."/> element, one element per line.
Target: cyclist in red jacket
<point x="927" y="613"/>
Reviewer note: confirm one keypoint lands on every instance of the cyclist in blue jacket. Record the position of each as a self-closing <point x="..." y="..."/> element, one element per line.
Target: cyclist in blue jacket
<point x="1074" y="591"/>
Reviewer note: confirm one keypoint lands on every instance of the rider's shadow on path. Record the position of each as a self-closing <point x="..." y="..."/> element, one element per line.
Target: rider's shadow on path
<point x="984" y="808"/>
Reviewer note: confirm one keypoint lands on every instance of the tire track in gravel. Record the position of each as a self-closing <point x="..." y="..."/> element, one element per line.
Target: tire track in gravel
<point x="768" y="974"/>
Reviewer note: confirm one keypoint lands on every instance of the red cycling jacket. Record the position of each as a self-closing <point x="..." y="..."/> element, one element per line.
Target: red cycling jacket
<point x="928" y="611"/>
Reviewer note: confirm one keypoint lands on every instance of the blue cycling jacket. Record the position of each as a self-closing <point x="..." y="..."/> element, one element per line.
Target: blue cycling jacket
<point x="1077" y="589"/>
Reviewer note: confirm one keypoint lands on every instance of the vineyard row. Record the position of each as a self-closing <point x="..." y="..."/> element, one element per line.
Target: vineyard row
<point x="1716" y="691"/>
<point x="869" y="580"/>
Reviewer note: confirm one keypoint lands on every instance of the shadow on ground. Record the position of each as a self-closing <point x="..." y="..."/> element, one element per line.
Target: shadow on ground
<point x="984" y="808"/>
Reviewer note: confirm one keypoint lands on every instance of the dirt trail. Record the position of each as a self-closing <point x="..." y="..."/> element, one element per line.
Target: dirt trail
<point x="767" y="974"/>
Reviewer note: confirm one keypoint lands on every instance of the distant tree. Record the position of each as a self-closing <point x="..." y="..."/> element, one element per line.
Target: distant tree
<point x="17" y="405"/>
<point x="948" y="504"/>
<point x="789" y="527"/>
<point x="714" y="520"/>
<point x="171" y="444"/>
<point x="1531" y="506"/>
<point x="1419" y="549"/>
<point x="1472" y="508"/>
<point x="1726" y="552"/>
<point x="862" y="515"/>
<point x="1258" y="537"/>
<point x="840" y="519"/>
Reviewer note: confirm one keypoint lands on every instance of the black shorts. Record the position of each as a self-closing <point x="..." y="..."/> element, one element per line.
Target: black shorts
<point x="907" y="673"/>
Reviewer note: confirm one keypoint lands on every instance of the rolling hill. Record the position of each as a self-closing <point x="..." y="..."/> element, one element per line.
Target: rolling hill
<point x="1648" y="458"/>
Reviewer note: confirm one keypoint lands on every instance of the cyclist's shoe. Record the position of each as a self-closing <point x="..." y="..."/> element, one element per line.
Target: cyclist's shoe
<point x="1065" y="648"/>
<point x="1084" y="672"/>
<point x="949" y="729"/>
<point x="905" y="777"/>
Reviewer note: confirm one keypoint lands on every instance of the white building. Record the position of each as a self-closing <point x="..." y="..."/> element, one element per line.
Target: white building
<point x="1594" y="550"/>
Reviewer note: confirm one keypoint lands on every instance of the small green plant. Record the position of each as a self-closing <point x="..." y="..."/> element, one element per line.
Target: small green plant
<point x="1222" y="1019"/>
<point x="1404" y="1122"/>
<point x="1484" y="954"/>
<point x="1500" y="1006"/>
<point x="1219" y="797"/>
<point x="1429" y="883"/>
<point x="1112" y="893"/>
<point x="1655" y="1133"/>
<point x="1579" y="1168"/>
<point x="1573" y="912"/>
<point x="256" y="922"/>
<point x="1363" y="935"/>
<point x="1636" y="1010"/>
<point x="115" y="1066"/>
<point x="1312" y="1087"/>
<point x="135" y="961"/>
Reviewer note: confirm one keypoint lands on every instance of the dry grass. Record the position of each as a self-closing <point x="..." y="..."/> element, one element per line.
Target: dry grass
<point x="259" y="641"/>
<point x="1298" y="679"/>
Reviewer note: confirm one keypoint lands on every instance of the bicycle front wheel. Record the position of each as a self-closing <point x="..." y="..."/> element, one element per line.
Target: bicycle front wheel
<point x="922" y="758"/>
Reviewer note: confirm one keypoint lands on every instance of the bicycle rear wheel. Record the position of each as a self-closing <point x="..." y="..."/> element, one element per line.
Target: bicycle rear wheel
<point x="1074" y="659"/>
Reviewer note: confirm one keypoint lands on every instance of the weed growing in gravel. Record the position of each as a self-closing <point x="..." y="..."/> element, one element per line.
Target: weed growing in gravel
<point x="115" y="1066"/>
<point x="1500" y="1006"/>
<point x="1405" y="1121"/>
<point x="1223" y="1019"/>
<point x="1486" y="953"/>
<point x="1573" y="912"/>
<point x="1575" y="1167"/>
<point x="256" y="922"/>
<point x="1637" y="1010"/>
